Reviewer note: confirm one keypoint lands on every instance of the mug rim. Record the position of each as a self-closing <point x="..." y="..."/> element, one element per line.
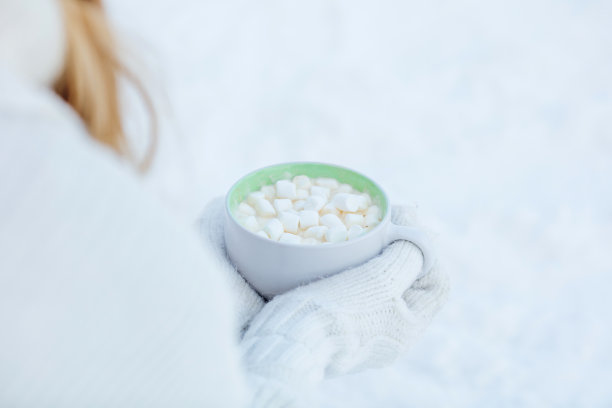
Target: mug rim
<point x="380" y="225"/>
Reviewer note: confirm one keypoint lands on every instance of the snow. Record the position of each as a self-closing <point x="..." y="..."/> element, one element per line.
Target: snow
<point x="493" y="117"/>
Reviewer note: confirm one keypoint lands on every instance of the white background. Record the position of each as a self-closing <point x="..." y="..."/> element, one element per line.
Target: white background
<point x="494" y="118"/>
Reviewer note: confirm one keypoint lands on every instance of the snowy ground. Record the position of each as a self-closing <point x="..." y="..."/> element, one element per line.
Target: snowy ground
<point x="495" y="118"/>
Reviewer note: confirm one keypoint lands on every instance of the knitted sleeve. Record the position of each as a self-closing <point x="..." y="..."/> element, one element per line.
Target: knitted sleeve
<point x="246" y="300"/>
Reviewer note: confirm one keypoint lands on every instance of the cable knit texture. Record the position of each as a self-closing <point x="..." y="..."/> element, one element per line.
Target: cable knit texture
<point x="362" y="318"/>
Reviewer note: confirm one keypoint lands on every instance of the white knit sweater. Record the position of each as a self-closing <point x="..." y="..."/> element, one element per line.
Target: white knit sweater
<point x="105" y="298"/>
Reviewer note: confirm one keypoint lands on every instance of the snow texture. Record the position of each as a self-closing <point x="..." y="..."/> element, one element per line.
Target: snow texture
<point x="494" y="118"/>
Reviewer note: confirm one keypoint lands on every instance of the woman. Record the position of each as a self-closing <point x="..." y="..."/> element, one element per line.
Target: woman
<point x="107" y="300"/>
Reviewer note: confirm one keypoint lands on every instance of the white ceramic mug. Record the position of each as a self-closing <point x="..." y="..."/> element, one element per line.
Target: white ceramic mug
<point x="274" y="267"/>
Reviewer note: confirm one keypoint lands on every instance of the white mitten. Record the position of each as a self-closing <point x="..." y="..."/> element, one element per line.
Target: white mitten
<point x="247" y="302"/>
<point x="361" y="318"/>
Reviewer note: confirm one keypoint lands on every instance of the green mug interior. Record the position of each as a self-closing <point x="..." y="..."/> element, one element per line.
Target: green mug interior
<point x="271" y="174"/>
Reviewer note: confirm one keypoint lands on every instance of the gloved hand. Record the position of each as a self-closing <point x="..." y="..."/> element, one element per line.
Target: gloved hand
<point x="361" y="318"/>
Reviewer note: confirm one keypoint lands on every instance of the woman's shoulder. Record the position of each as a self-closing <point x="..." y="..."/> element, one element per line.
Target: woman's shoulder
<point x="41" y="134"/>
<point x="20" y="99"/>
<point x="34" y="121"/>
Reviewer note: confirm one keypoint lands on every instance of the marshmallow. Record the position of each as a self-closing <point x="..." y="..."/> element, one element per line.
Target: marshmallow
<point x="282" y="204"/>
<point x="264" y="208"/>
<point x="321" y="191"/>
<point x="274" y="229"/>
<point x="330" y="183"/>
<point x="310" y="241"/>
<point x="336" y="234"/>
<point x="263" y="234"/>
<point x="302" y="194"/>
<point x="308" y="219"/>
<point x="371" y="220"/>
<point x="286" y="189"/>
<point x="302" y="182"/>
<point x="250" y="223"/>
<point x="347" y="202"/>
<point x="372" y="217"/>
<point x="246" y="209"/>
<point x="345" y="188"/>
<point x="317" y="232"/>
<point x="288" y="238"/>
<point x="351" y="219"/>
<point x="367" y="198"/>
<point x="262" y="221"/>
<point x="362" y="203"/>
<point x="300" y="211"/>
<point x="355" y="231"/>
<point x="373" y="210"/>
<point x="254" y="196"/>
<point x="331" y="220"/>
<point x="365" y="202"/>
<point x="330" y="208"/>
<point x="269" y="192"/>
<point x="314" y="203"/>
<point x="290" y="221"/>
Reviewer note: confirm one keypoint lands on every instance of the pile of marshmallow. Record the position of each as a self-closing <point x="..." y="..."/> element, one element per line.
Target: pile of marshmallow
<point x="308" y="211"/>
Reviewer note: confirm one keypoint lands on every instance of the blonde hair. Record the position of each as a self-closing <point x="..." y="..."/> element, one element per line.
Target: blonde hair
<point x="90" y="78"/>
